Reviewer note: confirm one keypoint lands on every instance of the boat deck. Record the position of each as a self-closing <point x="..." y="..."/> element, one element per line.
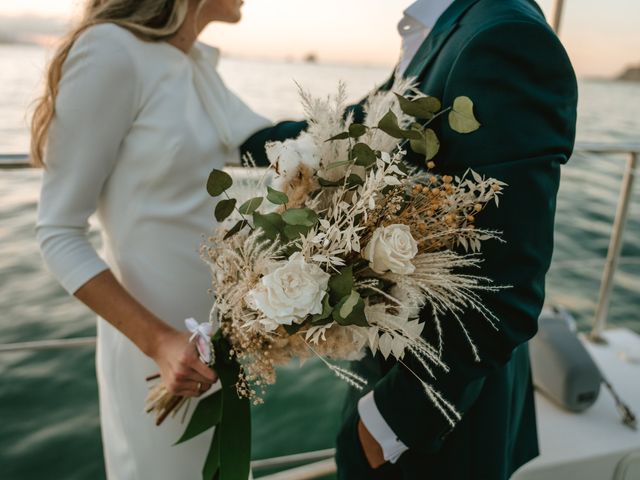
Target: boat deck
<point x="594" y="444"/>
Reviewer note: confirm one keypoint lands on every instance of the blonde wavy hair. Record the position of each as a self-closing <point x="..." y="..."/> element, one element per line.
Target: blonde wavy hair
<point x="151" y="20"/>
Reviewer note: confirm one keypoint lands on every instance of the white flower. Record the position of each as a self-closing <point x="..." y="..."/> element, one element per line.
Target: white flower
<point x="292" y="291"/>
<point x="287" y="156"/>
<point x="391" y="248"/>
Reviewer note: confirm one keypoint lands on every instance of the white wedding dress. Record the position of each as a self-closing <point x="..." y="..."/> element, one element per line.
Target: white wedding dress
<point x="138" y="128"/>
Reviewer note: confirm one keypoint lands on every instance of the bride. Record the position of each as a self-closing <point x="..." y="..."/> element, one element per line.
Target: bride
<point x="133" y="119"/>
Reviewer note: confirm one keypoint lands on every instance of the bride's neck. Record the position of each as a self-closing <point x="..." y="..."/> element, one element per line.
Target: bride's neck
<point x="186" y="36"/>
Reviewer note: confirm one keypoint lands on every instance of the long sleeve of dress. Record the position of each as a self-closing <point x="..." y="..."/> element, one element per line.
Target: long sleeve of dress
<point x="94" y="110"/>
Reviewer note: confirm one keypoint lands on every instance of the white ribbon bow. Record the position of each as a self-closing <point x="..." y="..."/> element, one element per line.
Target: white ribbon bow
<point x="202" y="334"/>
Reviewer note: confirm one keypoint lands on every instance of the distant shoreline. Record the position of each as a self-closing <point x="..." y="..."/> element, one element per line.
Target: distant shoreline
<point x="631" y="74"/>
<point x="9" y="41"/>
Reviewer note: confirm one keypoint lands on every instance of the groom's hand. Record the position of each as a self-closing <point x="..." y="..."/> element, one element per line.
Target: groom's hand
<point x="371" y="447"/>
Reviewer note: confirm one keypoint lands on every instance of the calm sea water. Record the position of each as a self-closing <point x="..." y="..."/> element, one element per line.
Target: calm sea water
<point x="49" y="422"/>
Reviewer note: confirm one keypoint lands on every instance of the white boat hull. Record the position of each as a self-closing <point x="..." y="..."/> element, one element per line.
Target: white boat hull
<point x="594" y="444"/>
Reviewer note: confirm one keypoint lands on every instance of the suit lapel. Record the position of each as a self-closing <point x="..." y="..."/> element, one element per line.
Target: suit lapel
<point x="438" y="36"/>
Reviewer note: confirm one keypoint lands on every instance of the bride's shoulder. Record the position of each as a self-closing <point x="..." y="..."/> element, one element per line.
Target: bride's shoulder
<point x="104" y="48"/>
<point x="207" y="53"/>
<point x="107" y="37"/>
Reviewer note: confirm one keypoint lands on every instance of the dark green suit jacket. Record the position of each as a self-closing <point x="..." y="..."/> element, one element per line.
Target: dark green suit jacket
<point x="504" y="56"/>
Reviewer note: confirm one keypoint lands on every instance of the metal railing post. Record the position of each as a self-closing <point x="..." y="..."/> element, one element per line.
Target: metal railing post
<point x="557" y="16"/>
<point x="613" y="253"/>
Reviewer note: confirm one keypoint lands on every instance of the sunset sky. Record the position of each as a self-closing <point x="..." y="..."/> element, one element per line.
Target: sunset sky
<point x="601" y="37"/>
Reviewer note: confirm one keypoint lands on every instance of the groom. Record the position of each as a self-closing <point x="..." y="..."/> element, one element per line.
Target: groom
<point x="504" y="56"/>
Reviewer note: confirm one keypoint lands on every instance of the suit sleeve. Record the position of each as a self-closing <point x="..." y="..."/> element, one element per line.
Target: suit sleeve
<point x="254" y="145"/>
<point x="525" y="95"/>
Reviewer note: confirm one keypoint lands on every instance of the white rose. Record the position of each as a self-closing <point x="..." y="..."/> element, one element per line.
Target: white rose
<point x="391" y="248"/>
<point x="287" y="156"/>
<point x="291" y="292"/>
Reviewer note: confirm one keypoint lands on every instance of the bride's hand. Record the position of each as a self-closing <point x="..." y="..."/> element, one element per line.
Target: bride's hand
<point x="180" y="366"/>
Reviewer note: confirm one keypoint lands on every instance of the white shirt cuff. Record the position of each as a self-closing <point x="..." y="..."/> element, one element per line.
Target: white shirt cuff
<point x="392" y="446"/>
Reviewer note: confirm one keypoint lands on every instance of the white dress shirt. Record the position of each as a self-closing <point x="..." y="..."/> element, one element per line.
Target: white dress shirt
<point x="414" y="28"/>
<point x="419" y="18"/>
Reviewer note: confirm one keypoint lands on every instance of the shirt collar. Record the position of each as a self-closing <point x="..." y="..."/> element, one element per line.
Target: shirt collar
<point x="427" y="12"/>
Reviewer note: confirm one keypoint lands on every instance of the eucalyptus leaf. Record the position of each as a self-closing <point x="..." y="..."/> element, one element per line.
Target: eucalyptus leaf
<point x="354" y="180"/>
<point x="363" y="155"/>
<point x="325" y="316"/>
<point x="293" y="328"/>
<point x="340" y="285"/>
<point x="432" y="144"/>
<point x="423" y="107"/>
<point x="350" y="310"/>
<point x="330" y="183"/>
<point x="356" y="130"/>
<point x="276" y="197"/>
<point x="461" y="117"/>
<point x="340" y="136"/>
<point x="236" y="228"/>
<point x="224" y="208"/>
<point x="218" y="182"/>
<point x="389" y="125"/>
<point x="293" y="232"/>
<point x="300" y="216"/>
<point x="419" y="146"/>
<point x="271" y="224"/>
<point x="250" y="206"/>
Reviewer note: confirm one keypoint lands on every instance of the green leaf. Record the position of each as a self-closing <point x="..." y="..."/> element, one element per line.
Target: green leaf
<point x="325" y="316"/>
<point x="356" y="130"/>
<point x="330" y="183"/>
<point x="424" y="107"/>
<point x="293" y="328"/>
<point x="271" y="223"/>
<point x="432" y="144"/>
<point x="363" y="155"/>
<point x="340" y="136"/>
<point x="224" y="208"/>
<point x="235" y="425"/>
<point x="212" y="462"/>
<point x="207" y="413"/>
<point x="354" y="180"/>
<point x="340" y="285"/>
<point x="276" y="197"/>
<point x="350" y="310"/>
<point x="218" y="182"/>
<point x="419" y="146"/>
<point x="293" y="232"/>
<point x="300" y="216"/>
<point x="236" y="228"/>
<point x="250" y="206"/>
<point x="461" y="117"/>
<point x="389" y="125"/>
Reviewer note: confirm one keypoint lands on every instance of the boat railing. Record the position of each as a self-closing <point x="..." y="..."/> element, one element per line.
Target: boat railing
<point x="317" y="464"/>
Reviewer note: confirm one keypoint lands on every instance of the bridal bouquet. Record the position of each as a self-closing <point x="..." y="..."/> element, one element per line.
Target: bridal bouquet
<point x="338" y="254"/>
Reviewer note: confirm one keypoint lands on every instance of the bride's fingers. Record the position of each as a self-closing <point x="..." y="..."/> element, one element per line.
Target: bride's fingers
<point x="198" y="377"/>
<point x="191" y="389"/>
<point x="207" y="372"/>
